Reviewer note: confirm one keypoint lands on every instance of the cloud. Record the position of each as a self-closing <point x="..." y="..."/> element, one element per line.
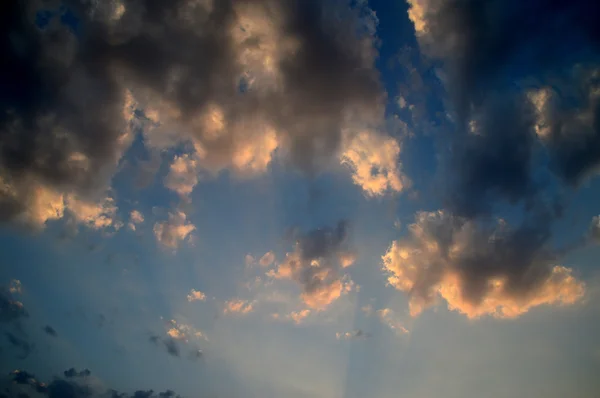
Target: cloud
<point x="267" y="259"/>
<point x="135" y="218"/>
<point x="238" y="306"/>
<point x="317" y="264"/>
<point x="70" y="373"/>
<point x="389" y="318"/>
<point x="375" y="164"/>
<point x="74" y="385"/>
<point x="196" y="295"/>
<point x="183" y="175"/>
<point x="49" y="330"/>
<point x="249" y="260"/>
<point x="479" y="269"/>
<point x="15" y="287"/>
<point x="246" y="80"/>
<point x="299" y="316"/>
<point x="505" y="116"/>
<point x="10" y="309"/>
<point x="172" y="232"/>
<point x="24" y="346"/>
<point x="169" y="343"/>
<point x="353" y="335"/>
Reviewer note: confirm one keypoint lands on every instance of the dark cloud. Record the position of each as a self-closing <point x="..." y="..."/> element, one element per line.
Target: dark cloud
<point x="169" y="343"/>
<point x="22" y="344"/>
<point x="75" y="387"/>
<point x="143" y="394"/>
<point x="496" y="160"/>
<point x="49" y="330"/>
<point x="10" y="309"/>
<point x="67" y="114"/>
<point x="196" y="354"/>
<point x="520" y="91"/>
<point x="74" y="373"/>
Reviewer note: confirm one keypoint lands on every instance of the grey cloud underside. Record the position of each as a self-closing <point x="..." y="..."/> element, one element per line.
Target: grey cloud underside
<point x="493" y="54"/>
<point x="24" y="382"/>
<point x="64" y="86"/>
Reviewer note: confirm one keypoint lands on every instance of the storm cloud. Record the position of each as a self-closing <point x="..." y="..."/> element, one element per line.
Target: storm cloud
<point x="245" y="78"/>
<point x="519" y="91"/>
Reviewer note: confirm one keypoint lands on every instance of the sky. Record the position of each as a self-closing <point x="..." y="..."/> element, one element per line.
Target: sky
<point x="299" y="198"/>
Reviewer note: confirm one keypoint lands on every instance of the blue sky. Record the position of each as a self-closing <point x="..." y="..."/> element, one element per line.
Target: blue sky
<point x="400" y="202"/>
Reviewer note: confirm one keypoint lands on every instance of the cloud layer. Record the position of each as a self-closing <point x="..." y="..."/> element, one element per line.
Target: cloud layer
<point x="246" y="79"/>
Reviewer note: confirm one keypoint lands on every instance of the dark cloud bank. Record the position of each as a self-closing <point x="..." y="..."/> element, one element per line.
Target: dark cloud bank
<point x="75" y="384"/>
<point x="77" y="77"/>
<point x="523" y="79"/>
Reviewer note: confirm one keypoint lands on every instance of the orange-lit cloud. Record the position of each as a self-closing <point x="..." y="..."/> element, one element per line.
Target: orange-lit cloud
<point x="316" y="264"/>
<point x="175" y="230"/>
<point x="374" y="161"/>
<point x="238" y="306"/>
<point x="477" y="270"/>
<point x="196" y="295"/>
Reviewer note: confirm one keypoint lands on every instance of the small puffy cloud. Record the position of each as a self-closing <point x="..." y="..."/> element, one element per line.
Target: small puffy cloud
<point x="367" y="309"/>
<point x="267" y="259"/>
<point x="175" y="230"/>
<point x="299" y="316"/>
<point x="196" y="295"/>
<point x="49" y="330"/>
<point x="249" y="260"/>
<point x="477" y="269"/>
<point x="182" y="331"/>
<point x="15" y="286"/>
<point x="375" y="164"/>
<point x="175" y="333"/>
<point x="183" y="175"/>
<point x="70" y="373"/>
<point x="316" y="264"/>
<point x="353" y="335"/>
<point x="10" y="309"/>
<point x="389" y="318"/>
<point x="135" y="218"/>
<point x="238" y="306"/>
